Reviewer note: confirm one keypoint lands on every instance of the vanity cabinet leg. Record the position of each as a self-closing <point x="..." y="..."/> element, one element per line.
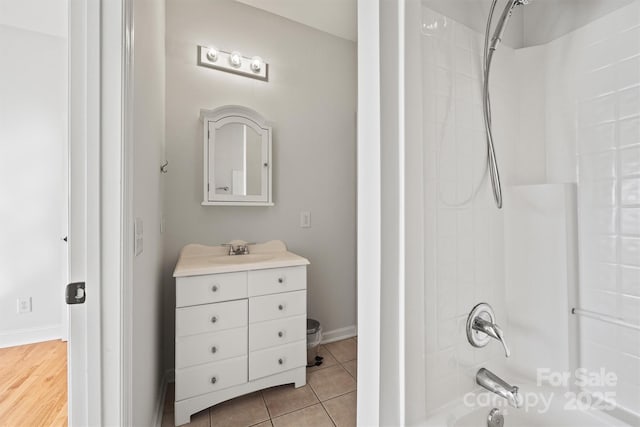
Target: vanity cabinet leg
<point x="300" y="377"/>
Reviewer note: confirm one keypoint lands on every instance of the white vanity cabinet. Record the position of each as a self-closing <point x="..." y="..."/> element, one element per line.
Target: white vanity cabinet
<point x="238" y="332"/>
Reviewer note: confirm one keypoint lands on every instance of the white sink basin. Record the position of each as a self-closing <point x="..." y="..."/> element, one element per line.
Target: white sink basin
<point x="241" y="259"/>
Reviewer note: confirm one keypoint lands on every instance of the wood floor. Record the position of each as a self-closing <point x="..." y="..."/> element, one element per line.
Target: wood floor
<point x="33" y="385"/>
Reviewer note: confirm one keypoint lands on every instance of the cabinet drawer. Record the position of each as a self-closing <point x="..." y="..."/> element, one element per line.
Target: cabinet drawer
<point x="278" y="306"/>
<point x="277" y="332"/>
<point x="277" y="359"/>
<point x="274" y="280"/>
<point x="211" y="317"/>
<point x="211" y="347"/>
<point x="211" y="288"/>
<point x="210" y="377"/>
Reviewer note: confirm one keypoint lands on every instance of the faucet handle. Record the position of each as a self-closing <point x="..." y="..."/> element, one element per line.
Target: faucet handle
<point x="481" y="327"/>
<point x="500" y="337"/>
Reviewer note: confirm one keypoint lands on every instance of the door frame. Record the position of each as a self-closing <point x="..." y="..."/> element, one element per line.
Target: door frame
<point x="100" y="330"/>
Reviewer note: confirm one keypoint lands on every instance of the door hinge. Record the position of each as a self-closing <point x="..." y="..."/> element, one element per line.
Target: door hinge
<point x="75" y="294"/>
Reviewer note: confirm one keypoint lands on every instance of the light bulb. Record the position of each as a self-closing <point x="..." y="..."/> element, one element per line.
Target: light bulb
<point x="256" y="64"/>
<point x="235" y="59"/>
<point x="212" y="54"/>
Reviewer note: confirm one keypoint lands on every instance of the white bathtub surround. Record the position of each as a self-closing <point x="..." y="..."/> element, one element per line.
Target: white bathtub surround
<point x="543" y="406"/>
<point x="541" y="230"/>
<point x="462" y="228"/>
<point x="589" y="85"/>
<point x="565" y="112"/>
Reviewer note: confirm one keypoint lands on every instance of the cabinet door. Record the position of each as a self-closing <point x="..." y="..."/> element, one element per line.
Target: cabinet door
<point x="277" y="332"/>
<point x="277" y="306"/>
<point x="278" y="359"/>
<point x="210" y="377"/>
<point x="211" y="317"/>
<point x="212" y="347"/>
<point x="276" y="280"/>
<point x="196" y="290"/>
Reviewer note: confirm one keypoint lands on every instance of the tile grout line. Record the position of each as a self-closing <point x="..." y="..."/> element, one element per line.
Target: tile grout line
<point x="295" y="410"/>
<point x="328" y="414"/>
<point x="265" y="405"/>
<point x="322" y="405"/>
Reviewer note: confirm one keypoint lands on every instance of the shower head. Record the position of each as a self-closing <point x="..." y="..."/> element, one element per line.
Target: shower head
<point x="502" y="22"/>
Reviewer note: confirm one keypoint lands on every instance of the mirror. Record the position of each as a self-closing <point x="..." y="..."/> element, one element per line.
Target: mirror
<point x="237" y="157"/>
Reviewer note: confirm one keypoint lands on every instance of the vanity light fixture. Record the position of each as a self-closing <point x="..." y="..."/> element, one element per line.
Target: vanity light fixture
<point x="233" y="62"/>
<point x="212" y="54"/>
<point x="256" y="64"/>
<point x="235" y="59"/>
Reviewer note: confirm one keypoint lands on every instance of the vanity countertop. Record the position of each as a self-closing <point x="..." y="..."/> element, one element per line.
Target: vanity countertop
<point x="196" y="260"/>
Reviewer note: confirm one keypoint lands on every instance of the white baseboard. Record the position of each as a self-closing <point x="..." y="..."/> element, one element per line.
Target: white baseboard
<point x="29" y="336"/>
<point x="157" y="422"/>
<point x="339" y="334"/>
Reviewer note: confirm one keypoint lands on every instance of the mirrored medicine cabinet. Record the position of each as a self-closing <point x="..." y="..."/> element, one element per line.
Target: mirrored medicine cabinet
<point x="237" y="157"/>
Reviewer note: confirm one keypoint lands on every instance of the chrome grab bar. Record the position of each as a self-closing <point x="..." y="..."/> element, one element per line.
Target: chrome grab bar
<point x="605" y="318"/>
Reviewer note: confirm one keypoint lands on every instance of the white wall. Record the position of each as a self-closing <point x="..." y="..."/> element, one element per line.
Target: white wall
<point x="148" y="140"/>
<point x="33" y="156"/>
<point x="311" y="100"/>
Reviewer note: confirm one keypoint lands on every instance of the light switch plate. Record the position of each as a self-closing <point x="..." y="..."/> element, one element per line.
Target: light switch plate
<point x="305" y="219"/>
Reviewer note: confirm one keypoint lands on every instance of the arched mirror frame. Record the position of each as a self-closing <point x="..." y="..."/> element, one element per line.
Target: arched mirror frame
<point x="213" y="120"/>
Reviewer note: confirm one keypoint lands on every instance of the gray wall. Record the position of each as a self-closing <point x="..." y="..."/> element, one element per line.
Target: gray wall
<point x="311" y="100"/>
<point x="148" y="140"/>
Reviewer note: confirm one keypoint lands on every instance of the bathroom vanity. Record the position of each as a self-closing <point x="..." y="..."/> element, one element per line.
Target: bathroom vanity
<point x="240" y="323"/>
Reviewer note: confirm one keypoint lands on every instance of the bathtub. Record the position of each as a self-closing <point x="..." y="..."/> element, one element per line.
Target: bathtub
<point x="546" y="407"/>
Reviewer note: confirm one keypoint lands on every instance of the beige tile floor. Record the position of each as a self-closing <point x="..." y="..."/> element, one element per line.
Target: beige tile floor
<point x="328" y="398"/>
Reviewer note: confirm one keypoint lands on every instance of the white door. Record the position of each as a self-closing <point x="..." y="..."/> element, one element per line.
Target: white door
<point x="78" y="135"/>
<point x="98" y="379"/>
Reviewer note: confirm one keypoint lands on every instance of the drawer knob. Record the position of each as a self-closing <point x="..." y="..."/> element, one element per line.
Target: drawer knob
<point x="280" y="334"/>
<point x="281" y="280"/>
<point x="214" y="288"/>
<point x="281" y="307"/>
<point x="214" y="380"/>
<point x="214" y="319"/>
<point x="214" y="349"/>
<point x="280" y="361"/>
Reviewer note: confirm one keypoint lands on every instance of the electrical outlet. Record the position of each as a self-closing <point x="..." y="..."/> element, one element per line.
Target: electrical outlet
<point x="305" y="219"/>
<point x="24" y="305"/>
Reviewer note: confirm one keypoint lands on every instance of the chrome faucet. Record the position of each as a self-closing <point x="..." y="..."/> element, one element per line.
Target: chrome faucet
<point x="481" y="325"/>
<point x="238" y="249"/>
<point x="497" y="385"/>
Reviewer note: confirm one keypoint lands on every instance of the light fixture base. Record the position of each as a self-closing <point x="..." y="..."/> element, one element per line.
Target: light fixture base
<point x="223" y="63"/>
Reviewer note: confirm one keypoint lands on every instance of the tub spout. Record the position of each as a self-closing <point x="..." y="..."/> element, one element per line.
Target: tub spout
<point x="497" y="385"/>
